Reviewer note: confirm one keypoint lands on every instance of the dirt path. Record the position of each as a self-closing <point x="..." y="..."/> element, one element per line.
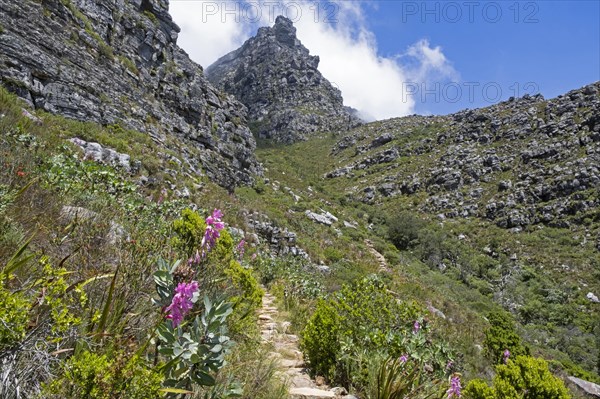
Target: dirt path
<point x="274" y="332"/>
<point x="383" y="266"/>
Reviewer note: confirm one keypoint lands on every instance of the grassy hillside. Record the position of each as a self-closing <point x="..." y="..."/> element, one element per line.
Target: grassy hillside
<point x="88" y="239"/>
<point x="541" y="272"/>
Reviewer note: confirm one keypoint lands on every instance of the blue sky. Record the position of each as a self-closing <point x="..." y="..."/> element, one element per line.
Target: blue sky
<point x="392" y="58"/>
<point x="553" y="44"/>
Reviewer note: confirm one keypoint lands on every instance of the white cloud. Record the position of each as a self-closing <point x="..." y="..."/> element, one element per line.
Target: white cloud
<point x="205" y="34"/>
<point x="431" y="63"/>
<point x="338" y="34"/>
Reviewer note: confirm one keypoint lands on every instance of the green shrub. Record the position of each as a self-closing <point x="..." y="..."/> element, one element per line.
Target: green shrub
<point x="246" y="298"/>
<point x="502" y="336"/>
<point x="190" y="229"/>
<point x="94" y="376"/>
<point x="526" y="377"/>
<point x="403" y="230"/>
<point x="360" y="321"/>
<point x="320" y="343"/>
<point x="14" y="314"/>
<point x="333" y="254"/>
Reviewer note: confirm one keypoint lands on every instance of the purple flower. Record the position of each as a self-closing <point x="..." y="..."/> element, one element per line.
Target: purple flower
<point x="506" y="355"/>
<point x="454" y="387"/>
<point x="241" y="248"/>
<point x="403" y="358"/>
<point x="182" y="302"/>
<point x="214" y="225"/>
<point x="195" y="260"/>
<point x="163" y="195"/>
<point x="449" y="365"/>
<point x="416" y="327"/>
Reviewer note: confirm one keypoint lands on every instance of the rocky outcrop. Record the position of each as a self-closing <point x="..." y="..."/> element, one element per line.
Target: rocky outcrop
<point x="280" y="241"/>
<point x="117" y="62"/>
<point x="108" y="156"/>
<point x="276" y="78"/>
<point x="521" y="162"/>
<point x="591" y="389"/>
<point x="323" y="217"/>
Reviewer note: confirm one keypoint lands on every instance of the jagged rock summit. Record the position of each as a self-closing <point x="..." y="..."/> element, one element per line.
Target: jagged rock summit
<point x="274" y="75"/>
<point x="115" y="61"/>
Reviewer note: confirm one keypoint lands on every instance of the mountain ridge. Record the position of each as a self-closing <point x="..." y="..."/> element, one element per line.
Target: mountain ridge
<point x="274" y="75"/>
<point x="115" y="62"/>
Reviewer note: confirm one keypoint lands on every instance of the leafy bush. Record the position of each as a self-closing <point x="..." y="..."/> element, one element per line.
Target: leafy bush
<point x="360" y="322"/>
<point x="333" y="254"/>
<point x="246" y="298"/>
<point x="321" y="340"/>
<point x="501" y="336"/>
<point x="94" y="376"/>
<point x="525" y="377"/>
<point x="14" y="314"/>
<point x="194" y="350"/>
<point x="190" y="230"/>
<point x="403" y="230"/>
<point x="295" y="275"/>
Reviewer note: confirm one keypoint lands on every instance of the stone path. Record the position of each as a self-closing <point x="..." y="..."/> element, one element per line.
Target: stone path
<point x="275" y="332"/>
<point x="383" y="266"/>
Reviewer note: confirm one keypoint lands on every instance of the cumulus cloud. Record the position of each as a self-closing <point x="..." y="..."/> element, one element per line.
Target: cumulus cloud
<point x="335" y="31"/>
<point x="206" y="34"/>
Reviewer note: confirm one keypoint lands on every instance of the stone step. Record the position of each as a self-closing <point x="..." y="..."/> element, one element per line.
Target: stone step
<point x="267" y="335"/>
<point x="310" y="393"/>
<point x="264" y="317"/>
<point x="270" y="326"/>
<point x="291" y="363"/>
<point x="291" y="338"/>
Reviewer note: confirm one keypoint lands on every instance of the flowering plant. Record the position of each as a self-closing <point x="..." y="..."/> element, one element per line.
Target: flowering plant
<point x="193" y="334"/>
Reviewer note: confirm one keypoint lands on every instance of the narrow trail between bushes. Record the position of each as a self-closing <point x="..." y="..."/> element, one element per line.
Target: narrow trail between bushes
<point x="285" y="349"/>
<point x="383" y="266"/>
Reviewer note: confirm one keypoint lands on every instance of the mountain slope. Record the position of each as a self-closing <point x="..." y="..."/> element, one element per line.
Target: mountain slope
<point x="118" y="62"/>
<point x="276" y="78"/>
<point x="521" y="162"/>
<point x="436" y="178"/>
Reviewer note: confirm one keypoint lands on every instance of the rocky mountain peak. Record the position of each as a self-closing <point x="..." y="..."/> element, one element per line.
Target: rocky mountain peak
<point x="275" y="76"/>
<point x="284" y="31"/>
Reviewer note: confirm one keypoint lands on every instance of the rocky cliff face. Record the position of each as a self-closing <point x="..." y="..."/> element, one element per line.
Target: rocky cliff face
<point x="276" y="78"/>
<point x="520" y="162"/>
<point x="117" y="61"/>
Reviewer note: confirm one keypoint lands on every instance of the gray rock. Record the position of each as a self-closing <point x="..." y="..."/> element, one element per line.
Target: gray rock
<point x="340" y="391"/>
<point x="588" y="387"/>
<point x="349" y="225"/>
<point x="129" y="72"/>
<point x="324" y="217"/>
<point x="98" y="153"/>
<point x="275" y="77"/>
<point x="592" y="297"/>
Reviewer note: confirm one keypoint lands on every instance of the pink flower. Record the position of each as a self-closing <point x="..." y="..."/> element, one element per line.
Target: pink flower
<point x="181" y="303"/>
<point x="403" y="358"/>
<point x="454" y="387"/>
<point x="214" y="225"/>
<point x="241" y="248"/>
<point x="195" y="260"/>
<point x="416" y="327"/>
<point x="163" y="195"/>
<point x="506" y="355"/>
